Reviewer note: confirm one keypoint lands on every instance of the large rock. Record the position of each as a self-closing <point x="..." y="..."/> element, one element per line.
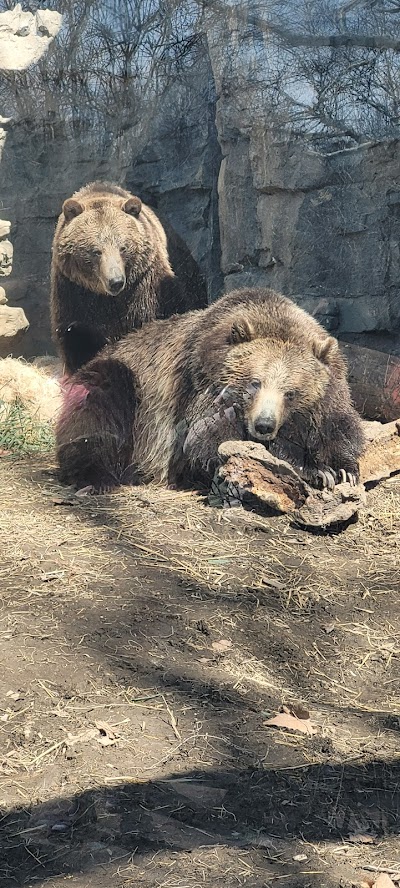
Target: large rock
<point x="25" y="37"/>
<point x="4" y="228"/>
<point x="13" y="324"/>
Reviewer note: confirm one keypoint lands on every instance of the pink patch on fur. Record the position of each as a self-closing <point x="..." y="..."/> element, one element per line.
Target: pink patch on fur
<point x="74" y="396"/>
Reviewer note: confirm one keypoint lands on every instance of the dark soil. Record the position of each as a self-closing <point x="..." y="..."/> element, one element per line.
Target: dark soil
<point x="145" y="640"/>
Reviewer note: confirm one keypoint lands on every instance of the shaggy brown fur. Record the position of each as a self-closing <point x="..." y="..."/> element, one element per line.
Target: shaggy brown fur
<point x="140" y="397"/>
<point x="110" y="272"/>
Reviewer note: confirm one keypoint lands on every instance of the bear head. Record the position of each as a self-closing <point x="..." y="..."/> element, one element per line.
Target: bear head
<point x="103" y="242"/>
<point x="274" y="378"/>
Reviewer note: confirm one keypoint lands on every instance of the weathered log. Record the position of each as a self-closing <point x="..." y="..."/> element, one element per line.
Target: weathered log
<point x="250" y="474"/>
<point x="374" y="379"/>
<point x="13" y="324"/>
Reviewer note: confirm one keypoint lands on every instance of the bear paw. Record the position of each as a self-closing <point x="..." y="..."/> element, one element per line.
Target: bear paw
<point x="325" y="478"/>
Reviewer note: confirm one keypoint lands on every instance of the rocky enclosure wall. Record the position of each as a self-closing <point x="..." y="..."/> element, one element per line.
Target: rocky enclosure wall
<point x="324" y="229"/>
<point x="255" y="202"/>
<point x="318" y="219"/>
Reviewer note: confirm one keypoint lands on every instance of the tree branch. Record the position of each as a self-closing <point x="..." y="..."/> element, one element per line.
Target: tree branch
<point x="290" y="38"/>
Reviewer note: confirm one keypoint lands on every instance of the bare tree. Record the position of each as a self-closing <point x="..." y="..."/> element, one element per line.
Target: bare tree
<point x="322" y="66"/>
<point x="111" y="63"/>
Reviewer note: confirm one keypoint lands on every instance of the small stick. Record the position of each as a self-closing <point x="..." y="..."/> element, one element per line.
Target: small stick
<point x="172" y="720"/>
<point x="381" y="869"/>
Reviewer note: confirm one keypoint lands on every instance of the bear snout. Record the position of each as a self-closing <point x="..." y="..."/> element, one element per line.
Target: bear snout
<point x="116" y="283"/>
<point x="265" y="426"/>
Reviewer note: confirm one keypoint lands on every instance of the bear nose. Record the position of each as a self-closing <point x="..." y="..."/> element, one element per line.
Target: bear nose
<point x="264" y="426"/>
<point x="116" y="284"/>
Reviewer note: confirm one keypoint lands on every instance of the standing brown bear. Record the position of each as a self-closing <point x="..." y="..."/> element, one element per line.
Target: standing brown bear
<point x="137" y="411"/>
<point x="110" y="272"/>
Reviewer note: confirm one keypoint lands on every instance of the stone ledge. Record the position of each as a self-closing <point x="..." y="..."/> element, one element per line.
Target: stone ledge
<point x="13" y="324"/>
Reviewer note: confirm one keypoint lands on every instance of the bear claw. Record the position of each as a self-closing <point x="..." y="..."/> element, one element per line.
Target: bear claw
<point x="349" y="477"/>
<point x="326" y="479"/>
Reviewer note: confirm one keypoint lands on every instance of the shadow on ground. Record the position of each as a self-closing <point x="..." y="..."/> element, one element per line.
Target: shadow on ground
<point x="180" y="631"/>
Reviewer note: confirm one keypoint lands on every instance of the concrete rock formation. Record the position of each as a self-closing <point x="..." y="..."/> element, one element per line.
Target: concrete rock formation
<point x="256" y="201"/>
<point x="321" y="221"/>
<point x="13" y="321"/>
<point x="25" y="37"/>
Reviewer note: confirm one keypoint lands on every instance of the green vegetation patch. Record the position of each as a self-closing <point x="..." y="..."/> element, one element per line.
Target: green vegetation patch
<point x="20" y="432"/>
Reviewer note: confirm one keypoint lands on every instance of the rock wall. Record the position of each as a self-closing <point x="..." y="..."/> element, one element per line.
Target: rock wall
<point x="322" y="228"/>
<point x="171" y="159"/>
<point x="256" y="201"/>
<point x="317" y="219"/>
<point x="24" y="38"/>
<point x="177" y="170"/>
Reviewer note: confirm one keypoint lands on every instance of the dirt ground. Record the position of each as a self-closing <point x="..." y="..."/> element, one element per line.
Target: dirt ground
<point x="145" y="640"/>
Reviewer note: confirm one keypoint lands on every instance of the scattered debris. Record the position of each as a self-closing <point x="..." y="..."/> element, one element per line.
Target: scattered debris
<point x="362" y="839"/>
<point x="108" y="736"/>
<point x="103" y="733"/>
<point x="328" y="628"/>
<point x="221" y="646"/>
<point x="285" y="719"/>
<point x="172" y="720"/>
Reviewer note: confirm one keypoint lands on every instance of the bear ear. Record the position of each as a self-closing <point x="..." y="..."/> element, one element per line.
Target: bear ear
<point x="71" y="208"/>
<point x="241" y="331"/>
<point x="325" y="349"/>
<point x="132" y="206"/>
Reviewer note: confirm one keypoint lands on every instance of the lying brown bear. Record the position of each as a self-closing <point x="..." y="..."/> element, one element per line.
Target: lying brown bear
<point x="130" y="414"/>
<point x="111" y="272"/>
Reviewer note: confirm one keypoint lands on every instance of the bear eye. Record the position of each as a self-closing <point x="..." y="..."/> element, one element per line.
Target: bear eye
<point x="290" y="396"/>
<point x="123" y="250"/>
<point x="256" y="383"/>
<point x="96" y="252"/>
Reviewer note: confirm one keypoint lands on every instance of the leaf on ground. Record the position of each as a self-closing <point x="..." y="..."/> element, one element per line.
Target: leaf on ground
<point x="291" y="723"/>
<point x="383" y="881"/>
<point x="362" y="839"/>
<point x="221" y="646"/>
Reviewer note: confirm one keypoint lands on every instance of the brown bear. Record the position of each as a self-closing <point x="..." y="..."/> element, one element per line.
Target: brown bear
<point x="111" y="272"/>
<point x="129" y="415"/>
